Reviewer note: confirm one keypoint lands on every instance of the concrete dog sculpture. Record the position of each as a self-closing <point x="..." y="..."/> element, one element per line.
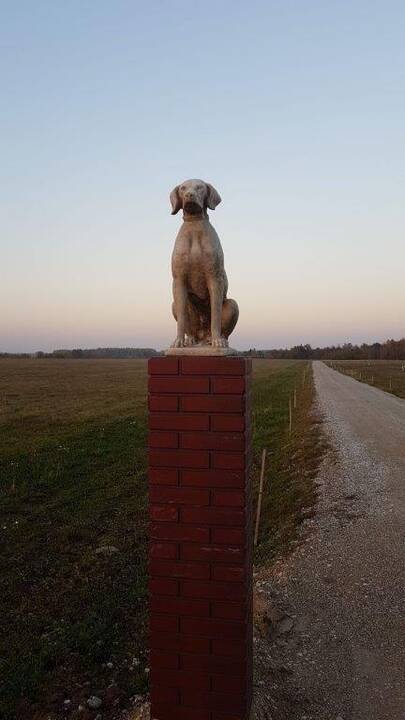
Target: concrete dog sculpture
<point x="204" y="314"/>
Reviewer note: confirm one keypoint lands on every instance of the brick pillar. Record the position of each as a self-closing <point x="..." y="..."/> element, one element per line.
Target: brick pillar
<point x="200" y="558"/>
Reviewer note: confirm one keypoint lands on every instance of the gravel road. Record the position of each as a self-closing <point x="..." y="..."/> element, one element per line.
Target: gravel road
<point x="343" y="589"/>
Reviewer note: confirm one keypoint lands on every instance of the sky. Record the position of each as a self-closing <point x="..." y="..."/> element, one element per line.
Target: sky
<point x="293" y="110"/>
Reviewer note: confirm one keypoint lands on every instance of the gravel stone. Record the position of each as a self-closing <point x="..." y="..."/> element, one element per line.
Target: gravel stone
<point x="345" y="581"/>
<point x="94" y="702"/>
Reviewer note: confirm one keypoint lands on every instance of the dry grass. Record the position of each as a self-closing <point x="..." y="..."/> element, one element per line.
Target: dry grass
<point x="40" y="399"/>
<point x="293" y="458"/>
<point x="388" y="375"/>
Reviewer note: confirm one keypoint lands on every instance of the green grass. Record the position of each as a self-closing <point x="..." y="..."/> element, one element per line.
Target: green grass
<point x="73" y="479"/>
<point x="388" y="375"/>
<point x="293" y="458"/>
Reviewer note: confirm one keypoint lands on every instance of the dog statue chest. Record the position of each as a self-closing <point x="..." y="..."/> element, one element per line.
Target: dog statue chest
<point x="194" y="257"/>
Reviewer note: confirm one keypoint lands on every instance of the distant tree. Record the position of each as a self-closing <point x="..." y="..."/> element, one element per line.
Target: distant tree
<point x="389" y="350"/>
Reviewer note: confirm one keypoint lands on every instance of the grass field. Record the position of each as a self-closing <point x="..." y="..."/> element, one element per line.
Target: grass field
<point x="388" y="375"/>
<point x="72" y="482"/>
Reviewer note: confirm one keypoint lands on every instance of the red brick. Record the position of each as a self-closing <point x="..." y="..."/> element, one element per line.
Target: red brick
<point x="180" y="678"/>
<point x="213" y="478"/>
<point x="179" y="421"/>
<point x="201" y="514"/>
<point x="179" y="606"/>
<point x="230" y="573"/>
<point x="163" y="476"/>
<point x="212" y="553"/>
<point x="179" y="495"/>
<point x="233" y="536"/>
<point x="231" y="385"/>
<point x="163" y="439"/>
<point x="227" y="423"/>
<point x="227" y="683"/>
<point x="213" y="516"/>
<point x="163" y="623"/>
<point x="198" y="571"/>
<point x="233" y="716"/>
<point x="229" y="610"/>
<point x="211" y="628"/>
<point x="163" y="551"/>
<point x="184" y="533"/>
<point x="179" y="458"/>
<point x="163" y="586"/>
<point x="163" y="366"/>
<point x="228" y="461"/>
<point x="163" y="403"/>
<point x="163" y="659"/>
<point x="179" y="385"/>
<point x="214" y="664"/>
<point x="165" y="695"/>
<point x="231" y="702"/>
<point x="179" y="643"/>
<point x="229" y="648"/>
<point x="228" y="498"/>
<point x="163" y="513"/>
<point x="212" y="403"/>
<point x="213" y="590"/>
<point x="212" y="441"/>
<point x="165" y="712"/>
<point x="213" y="366"/>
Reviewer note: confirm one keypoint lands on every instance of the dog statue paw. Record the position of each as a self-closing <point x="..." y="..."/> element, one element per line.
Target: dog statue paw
<point x="178" y="343"/>
<point x="219" y="342"/>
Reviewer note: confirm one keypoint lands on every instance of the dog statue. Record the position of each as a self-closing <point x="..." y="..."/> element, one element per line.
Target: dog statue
<point x="204" y="314"/>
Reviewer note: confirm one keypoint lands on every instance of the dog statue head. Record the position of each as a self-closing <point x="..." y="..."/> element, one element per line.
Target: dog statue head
<point x="194" y="196"/>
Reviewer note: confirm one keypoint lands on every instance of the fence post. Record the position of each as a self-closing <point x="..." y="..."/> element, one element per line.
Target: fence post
<point x="290" y="413"/>
<point x="259" y="500"/>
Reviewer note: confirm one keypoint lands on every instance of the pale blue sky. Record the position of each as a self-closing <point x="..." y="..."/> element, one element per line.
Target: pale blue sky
<point x="295" y="111"/>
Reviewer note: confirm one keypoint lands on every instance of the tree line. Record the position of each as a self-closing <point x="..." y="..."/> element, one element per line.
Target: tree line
<point x="388" y="350"/>
<point x="90" y="353"/>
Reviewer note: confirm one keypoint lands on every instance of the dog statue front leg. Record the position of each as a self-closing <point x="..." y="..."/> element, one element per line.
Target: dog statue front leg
<point x="216" y="302"/>
<point x="180" y="299"/>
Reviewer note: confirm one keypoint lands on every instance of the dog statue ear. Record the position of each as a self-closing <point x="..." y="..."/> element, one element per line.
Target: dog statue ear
<point x="213" y="197"/>
<point x="175" y="200"/>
